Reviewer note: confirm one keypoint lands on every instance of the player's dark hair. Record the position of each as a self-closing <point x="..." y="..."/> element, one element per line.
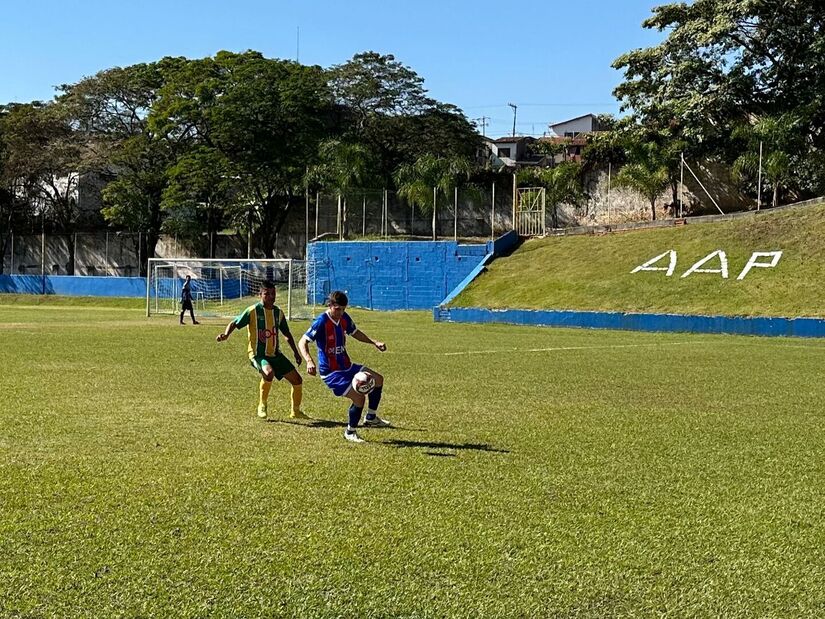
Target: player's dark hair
<point x="267" y="283"/>
<point x="338" y="297"/>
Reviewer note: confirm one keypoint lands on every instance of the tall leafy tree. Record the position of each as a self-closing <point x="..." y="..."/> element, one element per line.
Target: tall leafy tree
<point x="111" y="110"/>
<point x="200" y="193"/>
<point x="44" y="154"/>
<point x="264" y="117"/>
<point x="385" y="106"/>
<point x="724" y="62"/>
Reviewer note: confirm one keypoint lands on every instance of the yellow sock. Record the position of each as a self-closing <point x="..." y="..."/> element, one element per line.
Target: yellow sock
<point x="265" y="387"/>
<point x="297" y="393"/>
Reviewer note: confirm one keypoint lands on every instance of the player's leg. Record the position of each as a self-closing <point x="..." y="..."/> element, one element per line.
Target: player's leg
<point x="296" y="384"/>
<point x="373" y="400"/>
<point x="192" y="314"/>
<point x="267" y="376"/>
<point x="354" y="414"/>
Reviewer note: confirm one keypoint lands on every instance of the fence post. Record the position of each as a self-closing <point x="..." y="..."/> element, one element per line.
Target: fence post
<point x="435" y="201"/>
<point x="317" y="208"/>
<point x="515" y="198"/>
<point x="493" y="214"/>
<point x="11" y="268"/>
<point x="364" y="215"/>
<point x="455" y="215"/>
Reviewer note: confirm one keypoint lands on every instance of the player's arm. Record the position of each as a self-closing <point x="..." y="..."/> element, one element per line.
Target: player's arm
<point x="291" y="341"/>
<point x="363" y="337"/>
<point x="303" y="346"/>
<point x="226" y="332"/>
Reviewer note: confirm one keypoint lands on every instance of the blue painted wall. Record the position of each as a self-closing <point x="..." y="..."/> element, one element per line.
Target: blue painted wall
<point x="74" y="285"/>
<point x="391" y="275"/>
<point x="738" y="325"/>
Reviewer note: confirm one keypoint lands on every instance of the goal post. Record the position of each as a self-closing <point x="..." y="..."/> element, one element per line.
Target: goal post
<point x="224" y="288"/>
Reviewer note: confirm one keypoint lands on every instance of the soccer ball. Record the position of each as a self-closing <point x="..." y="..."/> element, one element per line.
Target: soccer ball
<point x="363" y="382"/>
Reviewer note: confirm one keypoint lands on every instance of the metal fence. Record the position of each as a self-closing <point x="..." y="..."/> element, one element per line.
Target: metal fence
<point x="479" y="214"/>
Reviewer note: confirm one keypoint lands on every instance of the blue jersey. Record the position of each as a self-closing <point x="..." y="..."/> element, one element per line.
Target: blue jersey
<point x="331" y="339"/>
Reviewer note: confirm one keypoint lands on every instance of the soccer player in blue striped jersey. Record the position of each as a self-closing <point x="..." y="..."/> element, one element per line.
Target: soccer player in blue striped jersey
<point x="264" y="321"/>
<point x="329" y="331"/>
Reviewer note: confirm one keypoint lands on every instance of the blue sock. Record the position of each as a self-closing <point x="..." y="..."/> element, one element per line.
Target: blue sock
<point x="354" y="417"/>
<point x="374" y="398"/>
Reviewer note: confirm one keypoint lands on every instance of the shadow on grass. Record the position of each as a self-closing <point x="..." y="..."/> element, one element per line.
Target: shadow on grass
<point x="434" y="445"/>
<point x="328" y="423"/>
<point x="311" y="423"/>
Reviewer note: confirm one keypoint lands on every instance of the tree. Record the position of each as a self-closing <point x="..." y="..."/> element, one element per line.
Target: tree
<point x="342" y="166"/>
<point x="562" y="184"/>
<point x="45" y="155"/>
<point x="647" y="173"/>
<point x="111" y="112"/>
<point x="265" y="117"/>
<point x="200" y="191"/>
<point x="13" y="207"/>
<point x="724" y="62"/>
<point x="780" y="139"/>
<point x="385" y="106"/>
<point x="430" y="181"/>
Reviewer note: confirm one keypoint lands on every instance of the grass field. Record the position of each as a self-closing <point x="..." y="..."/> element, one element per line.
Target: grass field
<point x="594" y="273"/>
<point x="532" y="473"/>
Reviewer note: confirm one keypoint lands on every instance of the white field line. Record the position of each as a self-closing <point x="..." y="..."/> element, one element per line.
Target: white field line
<point x="614" y="346"/>
<point x="560" y="348"/>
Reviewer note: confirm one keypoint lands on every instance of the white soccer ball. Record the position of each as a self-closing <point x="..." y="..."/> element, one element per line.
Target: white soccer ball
<point x="363" y="382"/>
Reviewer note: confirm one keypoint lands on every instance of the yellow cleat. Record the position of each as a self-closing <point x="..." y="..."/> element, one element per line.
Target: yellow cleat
<point x="299" y="415"/>
<point x="262" y="411"/>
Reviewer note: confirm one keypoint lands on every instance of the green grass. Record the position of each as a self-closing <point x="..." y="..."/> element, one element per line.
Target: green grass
<point x="536" y="473"/>
<point x="594" y="273"/>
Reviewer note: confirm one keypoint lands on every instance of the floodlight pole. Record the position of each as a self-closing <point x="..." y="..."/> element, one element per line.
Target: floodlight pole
<point x="515" y="107"/>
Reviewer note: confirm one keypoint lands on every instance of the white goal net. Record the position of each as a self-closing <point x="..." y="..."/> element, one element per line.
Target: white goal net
<point x="226" y="287"/>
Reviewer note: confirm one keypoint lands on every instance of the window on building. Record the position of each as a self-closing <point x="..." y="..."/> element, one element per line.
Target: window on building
<point x="503" y="152"/>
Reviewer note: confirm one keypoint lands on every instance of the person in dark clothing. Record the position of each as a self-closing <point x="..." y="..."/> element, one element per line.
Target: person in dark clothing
<point x="186" y="300"/>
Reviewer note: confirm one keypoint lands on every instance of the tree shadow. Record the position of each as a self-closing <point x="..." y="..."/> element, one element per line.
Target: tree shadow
<point x="434" y="445"/>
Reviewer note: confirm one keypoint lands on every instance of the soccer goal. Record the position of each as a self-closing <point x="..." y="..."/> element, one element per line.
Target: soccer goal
<point x="226" y="287"/>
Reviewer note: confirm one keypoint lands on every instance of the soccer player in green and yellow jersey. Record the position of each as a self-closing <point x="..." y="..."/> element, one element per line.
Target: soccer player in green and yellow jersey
<point x="264" y="321"/>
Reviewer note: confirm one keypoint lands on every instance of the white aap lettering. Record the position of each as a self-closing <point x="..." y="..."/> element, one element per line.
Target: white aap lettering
<point x="755" y="261"/>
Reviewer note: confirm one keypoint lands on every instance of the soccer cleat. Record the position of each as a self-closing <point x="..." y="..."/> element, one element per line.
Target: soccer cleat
<point x="195" y="322"/>
<point x="262" y="411"/>
<point x="353" y="437"/>
<point x="299" y="415"/>
<point x="376" y="422"/>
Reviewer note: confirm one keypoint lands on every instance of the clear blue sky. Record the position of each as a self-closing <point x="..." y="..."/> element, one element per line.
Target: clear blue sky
<point x="552" y="59"/>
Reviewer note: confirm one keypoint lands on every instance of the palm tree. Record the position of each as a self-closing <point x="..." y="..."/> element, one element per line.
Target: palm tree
<point x="430" y="180"/>
<point x="647" y="173"/>
<point x="777" y="134"/>
<point x="344" y="166"/>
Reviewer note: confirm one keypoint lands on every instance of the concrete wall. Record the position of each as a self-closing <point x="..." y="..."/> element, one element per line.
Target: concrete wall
<point x="738" y="325"/>
<point x="70" y="285"/>
<point x="392" y="275"/>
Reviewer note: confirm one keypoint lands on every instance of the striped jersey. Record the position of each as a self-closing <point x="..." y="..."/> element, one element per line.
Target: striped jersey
<point x="263" y="326"/>
<point x="331" y="338"/>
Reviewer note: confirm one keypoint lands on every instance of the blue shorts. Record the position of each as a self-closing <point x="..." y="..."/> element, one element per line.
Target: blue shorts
<point x="341" y="381"/>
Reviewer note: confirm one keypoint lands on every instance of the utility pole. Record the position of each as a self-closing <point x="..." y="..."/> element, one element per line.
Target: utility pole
<point x="297" y="44"/>
<point x="515" y="107"/>
<point x="483" y="120"/>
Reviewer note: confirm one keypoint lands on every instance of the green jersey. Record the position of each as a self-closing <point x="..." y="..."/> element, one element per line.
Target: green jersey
<point x="263" y="326"/>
